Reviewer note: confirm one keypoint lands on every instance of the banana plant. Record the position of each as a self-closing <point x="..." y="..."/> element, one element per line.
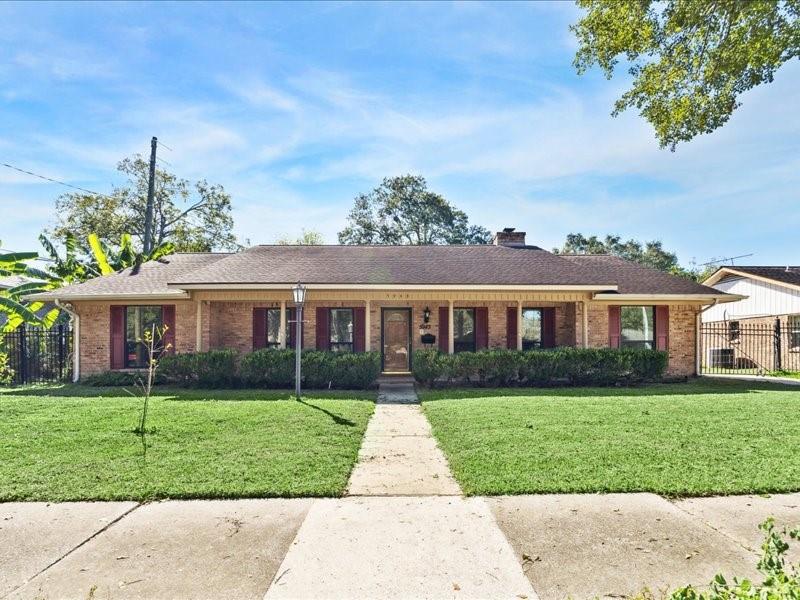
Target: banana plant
<point x="77" y="265"/>
<point x="11" y="300"/>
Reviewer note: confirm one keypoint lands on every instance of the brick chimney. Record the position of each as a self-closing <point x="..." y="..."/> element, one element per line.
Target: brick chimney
<point x="509" y="237"/>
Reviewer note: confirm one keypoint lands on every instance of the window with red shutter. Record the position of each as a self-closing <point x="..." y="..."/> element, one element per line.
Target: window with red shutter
<point x="322" y="336"/>
<point x="511" y="327"/>
<point x="259" y="328"/>
<point x="444" y="329"/>
<point x="481" y="328"/>
<point x="613" y="326"/>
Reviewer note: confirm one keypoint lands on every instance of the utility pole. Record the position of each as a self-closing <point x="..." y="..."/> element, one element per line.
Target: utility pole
<point x="147" y="246"/>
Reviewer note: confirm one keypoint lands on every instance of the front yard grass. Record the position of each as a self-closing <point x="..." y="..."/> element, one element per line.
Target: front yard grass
<point x="77" y="443"/>
<point x="695" y="439"/>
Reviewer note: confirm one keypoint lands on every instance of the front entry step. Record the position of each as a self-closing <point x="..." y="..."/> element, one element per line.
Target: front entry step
<point x="397" y="392"/>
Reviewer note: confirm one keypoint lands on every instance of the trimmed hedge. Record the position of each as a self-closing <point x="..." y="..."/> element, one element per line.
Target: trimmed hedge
<point x="573" y="366"/>
<point x="259" y="369"/>
<point x="341" y="370"/>
<point x="212" y="369"/>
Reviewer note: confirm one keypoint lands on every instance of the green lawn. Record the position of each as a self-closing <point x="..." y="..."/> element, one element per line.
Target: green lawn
<point x="695" y="439"/>
<point x="77" y="443"/>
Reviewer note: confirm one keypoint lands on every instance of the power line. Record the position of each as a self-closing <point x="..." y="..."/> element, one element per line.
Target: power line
<point x="50" y="179"/>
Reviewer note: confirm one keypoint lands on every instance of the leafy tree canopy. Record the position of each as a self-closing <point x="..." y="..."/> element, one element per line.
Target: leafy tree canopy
<point x="194" y="217"/>
<point x="690" y="59"/>
<point x="309" y="237"/>
<point x="651" y="254"/>
<point x="403" y="211"/>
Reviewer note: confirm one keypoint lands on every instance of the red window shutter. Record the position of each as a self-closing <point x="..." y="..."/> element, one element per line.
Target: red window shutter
<point x="511" y="327"/>
<point x="323" y="335"/>
<point x="481" y="328"/>
<point x="168" y="318"/>
<point x="291" y="327"/>
<point x="259" y="328"/>
<point x="662" y="327"/>
<point x="444" y="328"/>
<point x="359" y="329"/>
<point x="549" y="327"/>
<point x="614" y="327"/>
<point x="117" y="337"/>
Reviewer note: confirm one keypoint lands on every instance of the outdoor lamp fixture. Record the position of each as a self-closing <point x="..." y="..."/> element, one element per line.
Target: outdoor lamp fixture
<point x="426" y="315"/>
<point x="299" y="295"/>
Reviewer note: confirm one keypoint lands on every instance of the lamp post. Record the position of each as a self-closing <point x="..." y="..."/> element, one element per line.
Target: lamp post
<point x="299" y="295"/>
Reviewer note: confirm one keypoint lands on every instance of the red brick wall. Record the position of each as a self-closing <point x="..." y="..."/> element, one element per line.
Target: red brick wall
<point x="682" y="336"/>
<point x="230" y="325"/>
<point x="95" y="334"/>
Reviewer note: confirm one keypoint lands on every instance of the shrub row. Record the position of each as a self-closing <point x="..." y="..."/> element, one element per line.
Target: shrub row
<point x="259" y="369"/>
<point x="573" y="366"/>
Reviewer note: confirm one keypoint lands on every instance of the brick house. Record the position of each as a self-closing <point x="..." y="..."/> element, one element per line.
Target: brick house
<point x="762" y="328"/>
<point x="388" y="299"/>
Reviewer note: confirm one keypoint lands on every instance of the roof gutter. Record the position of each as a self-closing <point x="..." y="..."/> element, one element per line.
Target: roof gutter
<point x="705" y="298"/>
<point x="76" y="340"/>
<point x="54" y="296"/>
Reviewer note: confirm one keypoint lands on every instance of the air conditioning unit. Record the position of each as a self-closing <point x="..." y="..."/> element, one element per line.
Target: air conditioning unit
<point x="720" y="357"/>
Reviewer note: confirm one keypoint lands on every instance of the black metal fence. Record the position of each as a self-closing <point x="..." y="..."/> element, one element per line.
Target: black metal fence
<point x="39" y="355"/>
<point x="737" y="347"/>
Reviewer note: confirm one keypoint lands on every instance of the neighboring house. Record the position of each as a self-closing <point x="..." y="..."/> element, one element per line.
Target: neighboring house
<point x="765" y="320"/>
<point x="389" y="299"/>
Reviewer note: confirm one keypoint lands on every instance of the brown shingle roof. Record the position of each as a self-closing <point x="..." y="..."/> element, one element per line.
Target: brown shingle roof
<point x="633" y="278"/>
<point x="384" y="265"/>
<point x="790" y="275"/>
<point x="401" y="265"/>
<point x="149" y="279"/>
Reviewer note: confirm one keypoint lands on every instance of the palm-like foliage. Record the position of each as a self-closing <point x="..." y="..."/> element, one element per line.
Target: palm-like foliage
<point x="96" y="259"/>
<point x="76" y="265"/>
<point x="11" y="300"/>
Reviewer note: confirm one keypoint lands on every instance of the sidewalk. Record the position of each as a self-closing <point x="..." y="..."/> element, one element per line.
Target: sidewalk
<point x="584" y="545"/>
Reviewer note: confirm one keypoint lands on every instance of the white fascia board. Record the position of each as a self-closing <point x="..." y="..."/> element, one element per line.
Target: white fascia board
<point x="392" y="287"/>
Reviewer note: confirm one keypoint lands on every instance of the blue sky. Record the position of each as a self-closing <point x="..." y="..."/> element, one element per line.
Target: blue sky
<point x="296" y="108"/>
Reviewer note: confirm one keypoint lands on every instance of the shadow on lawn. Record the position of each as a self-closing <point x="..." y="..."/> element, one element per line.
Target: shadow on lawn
<point x="693" y="387"/>
<point x="336" y="418"/>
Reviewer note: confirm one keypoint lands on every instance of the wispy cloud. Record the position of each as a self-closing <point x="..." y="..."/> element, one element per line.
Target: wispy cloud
<point x="296" y="111"/>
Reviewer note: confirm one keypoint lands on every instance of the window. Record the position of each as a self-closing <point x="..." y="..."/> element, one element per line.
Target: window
<point x="138" y="320"/>
<point x="341" y="329"/>
<point x="531" y="328"/>
<point x="273" y="327"/>
<point x="637" y="327"/>
<point x="733" y="331"/>
<point x="464" y="330"/>
<point x="794" y="332"/>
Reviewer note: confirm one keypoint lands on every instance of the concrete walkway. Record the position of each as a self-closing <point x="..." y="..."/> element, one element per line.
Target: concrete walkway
<point x="759" y="378"/>
<point x="433" y="547"/>
<point x="399" y="457"/>
<point x="405" y="531"/>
